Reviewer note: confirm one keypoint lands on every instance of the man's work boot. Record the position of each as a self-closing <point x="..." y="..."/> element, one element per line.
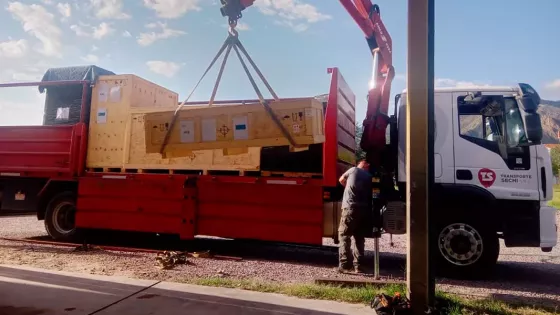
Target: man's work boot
<point x="359" y="269"/>
<point x="343" y="269"/>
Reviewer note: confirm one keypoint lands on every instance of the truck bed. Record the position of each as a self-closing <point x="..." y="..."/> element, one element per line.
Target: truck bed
<point x="41" y="151"/>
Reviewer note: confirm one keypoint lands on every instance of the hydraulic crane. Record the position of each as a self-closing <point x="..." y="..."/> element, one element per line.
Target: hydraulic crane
<point x="367" y="16"/>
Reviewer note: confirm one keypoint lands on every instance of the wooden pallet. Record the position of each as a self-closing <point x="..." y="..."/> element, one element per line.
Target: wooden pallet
<point x="249" y="173"/>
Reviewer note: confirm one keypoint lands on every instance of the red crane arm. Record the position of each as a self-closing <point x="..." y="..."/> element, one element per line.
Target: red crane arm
<point x="367" y="16"/>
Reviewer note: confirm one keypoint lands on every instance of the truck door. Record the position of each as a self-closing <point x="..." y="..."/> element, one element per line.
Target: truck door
<point x="490" y="148"/>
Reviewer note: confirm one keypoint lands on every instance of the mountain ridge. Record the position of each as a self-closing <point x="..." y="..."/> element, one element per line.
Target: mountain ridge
<point x="550" y="117"/>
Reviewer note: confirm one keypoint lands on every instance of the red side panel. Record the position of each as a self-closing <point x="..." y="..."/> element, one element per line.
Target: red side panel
<point x="339" y="150"/>
<point x="157" y="204"/>
<point x="283" y="210"/>
<point x="42" y="151"/>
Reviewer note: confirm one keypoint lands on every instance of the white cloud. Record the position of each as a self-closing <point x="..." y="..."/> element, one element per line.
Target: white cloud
<point x="296" y="27"/>
<point x="94" y="48"/>
<point x="146" y="39"/>
<point x="24" y="110"/>
<point x="445" y="82"/>
<point x="553" y="85"/>
<point x="109" y="9"/>
<point x="91" y="58"/>
<point x="126" y="34"/>
<point x="64" y="9"/>
<point x="102" y="30"/>
<point x="295" y="14"/>
<point x="40" y="23"/>
<point x="49" y="2"/>
<point x="172" y="9"/>
<point x="13" y="48"/>
<point x="79" y="31"/>
<point x="166" y="68"/>
<point x="98" y="32"/>
<point x="552" y="89"/>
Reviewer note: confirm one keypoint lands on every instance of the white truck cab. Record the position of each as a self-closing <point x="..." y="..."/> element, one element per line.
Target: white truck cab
<point x="492" y="176"/>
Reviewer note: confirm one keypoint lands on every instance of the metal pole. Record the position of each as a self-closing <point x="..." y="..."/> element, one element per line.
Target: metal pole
<point x="376" y="257"/>
<point x="420" y="151"/>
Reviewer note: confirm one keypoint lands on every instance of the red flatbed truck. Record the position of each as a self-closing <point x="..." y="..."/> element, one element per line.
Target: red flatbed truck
<point x="42" y="169"/>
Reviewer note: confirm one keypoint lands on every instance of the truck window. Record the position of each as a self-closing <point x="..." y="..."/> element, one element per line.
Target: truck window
<point x="480" y="127"/>
<point x="515" y="128"/>
<point x="496" y="127"/>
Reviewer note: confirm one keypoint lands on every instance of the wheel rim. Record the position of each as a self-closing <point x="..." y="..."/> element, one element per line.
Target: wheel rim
<point x="64" y="215"/>
<point x="460" y="244"/>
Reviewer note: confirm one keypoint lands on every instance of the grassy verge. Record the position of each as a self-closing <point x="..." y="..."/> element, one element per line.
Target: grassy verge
<point x="445" y="303"/>
<point x="555" y="202"/>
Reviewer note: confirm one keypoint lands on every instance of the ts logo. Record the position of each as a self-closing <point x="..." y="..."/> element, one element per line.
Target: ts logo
<point x="486" y="177"/>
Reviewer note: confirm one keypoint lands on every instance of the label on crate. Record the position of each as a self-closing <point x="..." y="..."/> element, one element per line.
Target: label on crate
<point x="187" y="131"/>
<point x="102" y="92"/>
<point x="209" y="129"/>
<point x="240" y="130"/>
<point x="115" y="94"/>
<point x="101" y="115"/>
<point x="309" y="112"/>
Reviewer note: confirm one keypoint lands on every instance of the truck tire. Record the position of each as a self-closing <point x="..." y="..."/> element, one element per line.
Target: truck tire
<point x="60" y="216"/>
<point x="466" y="248"/>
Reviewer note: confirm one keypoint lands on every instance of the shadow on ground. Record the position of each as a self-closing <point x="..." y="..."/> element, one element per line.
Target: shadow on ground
<point x="31" y="292"/>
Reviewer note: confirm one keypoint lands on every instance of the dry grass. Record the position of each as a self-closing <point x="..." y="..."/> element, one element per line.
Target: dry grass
<point x="555" y="202"/>
<point x="445" y="303"/>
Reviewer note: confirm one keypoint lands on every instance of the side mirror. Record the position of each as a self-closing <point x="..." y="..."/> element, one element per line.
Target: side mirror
<point x="529" y="104"/>
<point x="530" y="101"/>
<point x="534" y="127"/>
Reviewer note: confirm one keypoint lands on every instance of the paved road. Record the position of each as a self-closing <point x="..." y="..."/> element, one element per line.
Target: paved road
<point x="35" y="291"/>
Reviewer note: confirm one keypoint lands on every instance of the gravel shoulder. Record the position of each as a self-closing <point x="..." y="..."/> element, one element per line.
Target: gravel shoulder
<point x="522" y="274"/>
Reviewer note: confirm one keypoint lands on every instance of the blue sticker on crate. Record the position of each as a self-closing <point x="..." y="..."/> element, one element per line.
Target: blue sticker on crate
<point x="240" y="127"/>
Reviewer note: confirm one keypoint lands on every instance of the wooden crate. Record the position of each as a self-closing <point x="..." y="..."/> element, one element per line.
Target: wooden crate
<point x="117" y="136"/>
<point x="235" y="126"/>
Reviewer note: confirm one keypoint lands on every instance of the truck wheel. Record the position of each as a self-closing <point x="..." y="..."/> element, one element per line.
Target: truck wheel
<point x="466" y="248"/>
<point x="60" y="216"/>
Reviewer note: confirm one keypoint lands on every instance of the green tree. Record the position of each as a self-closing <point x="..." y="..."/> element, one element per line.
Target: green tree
<point x="360" y="154"/>
<point x="555" y="157"/>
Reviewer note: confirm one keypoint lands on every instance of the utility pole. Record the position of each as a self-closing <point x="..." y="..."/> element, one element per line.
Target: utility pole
<point x="420" y="152"/>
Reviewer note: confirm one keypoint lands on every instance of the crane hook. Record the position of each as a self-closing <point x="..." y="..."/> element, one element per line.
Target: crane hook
<point x="232" y="9"/>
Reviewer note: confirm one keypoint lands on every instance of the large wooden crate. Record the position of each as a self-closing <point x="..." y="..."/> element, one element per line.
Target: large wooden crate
<point x="235" y="126"/>
<point x="117" y="136"/>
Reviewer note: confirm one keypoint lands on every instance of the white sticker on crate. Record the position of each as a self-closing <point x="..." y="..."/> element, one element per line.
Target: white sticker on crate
<point x="209" y="129"/>
<point x="115" y="94"/>
<point x="296" y="128"/>
<point x="101" y="115"/>
<point x="102" y="92"/>
<point x="187" y="131"/>
<point x="240" y="128"/>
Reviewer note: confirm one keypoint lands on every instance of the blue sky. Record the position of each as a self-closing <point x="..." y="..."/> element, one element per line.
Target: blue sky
<point x="170" y="42"/>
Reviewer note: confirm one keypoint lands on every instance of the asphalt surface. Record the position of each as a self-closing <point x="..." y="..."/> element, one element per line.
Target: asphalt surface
<point x="27" y="291"/>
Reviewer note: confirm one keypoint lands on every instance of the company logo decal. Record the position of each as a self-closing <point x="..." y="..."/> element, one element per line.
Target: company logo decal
<point x="486" y="177"/>
<point x="516" y="178"/>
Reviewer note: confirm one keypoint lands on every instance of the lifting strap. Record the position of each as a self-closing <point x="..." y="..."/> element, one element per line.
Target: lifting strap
<point x="232" y="41"/>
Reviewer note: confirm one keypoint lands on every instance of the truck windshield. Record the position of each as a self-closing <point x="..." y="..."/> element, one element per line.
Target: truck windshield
<point x="515" y="129"/>
<point x="502" y="126"/>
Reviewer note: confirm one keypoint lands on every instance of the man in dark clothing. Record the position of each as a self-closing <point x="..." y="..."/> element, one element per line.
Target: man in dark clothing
<point x="356" y="204"/>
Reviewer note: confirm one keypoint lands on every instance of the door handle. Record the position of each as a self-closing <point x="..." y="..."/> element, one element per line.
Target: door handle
<point x="464" y="175"/>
